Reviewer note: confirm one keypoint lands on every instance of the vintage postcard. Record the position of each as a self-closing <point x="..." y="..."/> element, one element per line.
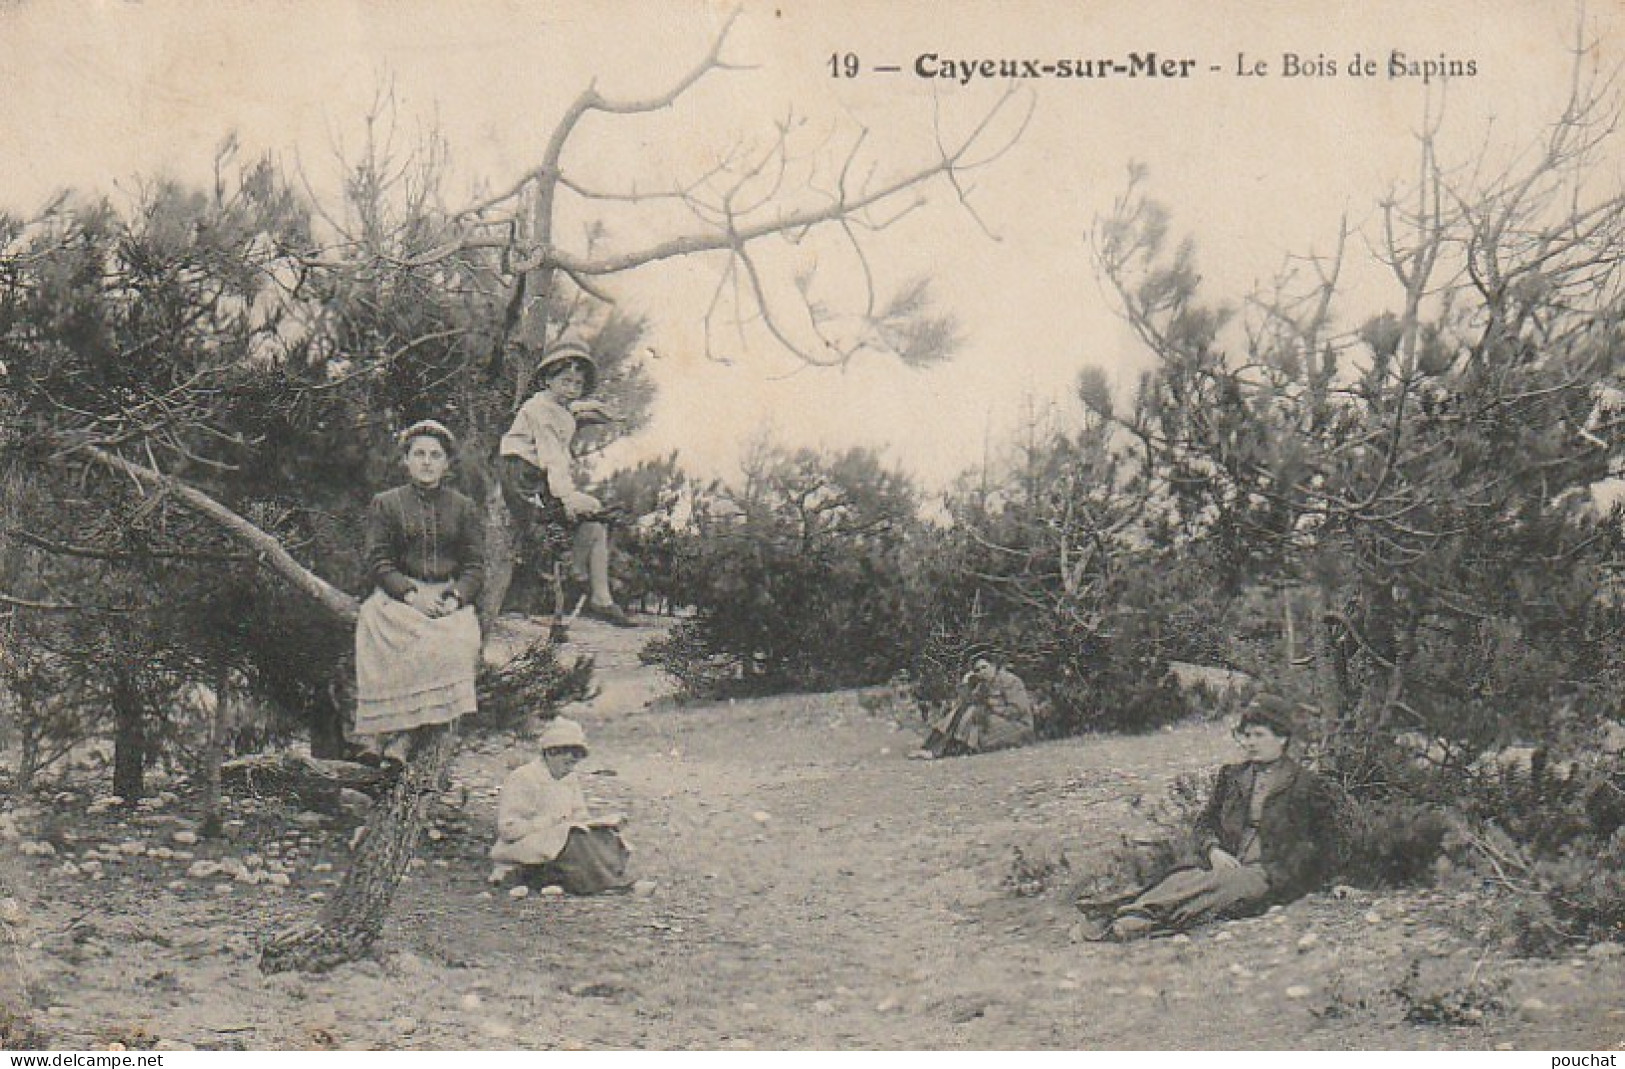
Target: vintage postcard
<point x="1050" y="524"/>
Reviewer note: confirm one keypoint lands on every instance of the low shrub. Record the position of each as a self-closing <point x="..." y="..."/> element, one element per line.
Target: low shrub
<point x="1389" y="842"/>
<point x="535" y="681"/>
<point x="684" y="653"/>
<point x="1035" y="871"/>
<point x="1435" y="994"/>
<point x="1549" y="833"/>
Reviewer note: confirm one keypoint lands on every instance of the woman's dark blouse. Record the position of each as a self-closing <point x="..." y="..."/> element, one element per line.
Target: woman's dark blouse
<point x="425" y="535"/>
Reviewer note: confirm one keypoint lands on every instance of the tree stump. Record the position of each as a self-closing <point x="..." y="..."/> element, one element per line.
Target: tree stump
<point x="353" y="920"/>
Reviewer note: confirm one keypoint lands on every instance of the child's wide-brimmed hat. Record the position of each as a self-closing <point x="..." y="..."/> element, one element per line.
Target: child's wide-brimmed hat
<point x="561" y="356"/>
<point x="428" y="428"/>
<point x="562" y="733"/>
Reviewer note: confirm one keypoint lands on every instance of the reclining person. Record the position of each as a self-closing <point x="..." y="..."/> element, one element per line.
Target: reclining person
<point x="1267" y="836"/>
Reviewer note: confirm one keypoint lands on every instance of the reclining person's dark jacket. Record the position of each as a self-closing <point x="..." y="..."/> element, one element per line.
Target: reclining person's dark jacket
<point x="1297" y="832"/>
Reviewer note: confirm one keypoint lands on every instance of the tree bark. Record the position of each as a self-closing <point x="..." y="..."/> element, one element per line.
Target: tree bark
<point x="354" y="919"/>
<point x="500" y="550"/>
<point x="212" y="748"/>
<point x="1289" y="632"/>
<point x="1330" y="652"/>
<point x="129" y="739"/>
<point x="28" y="754"/>
<point x="327" y="739"/>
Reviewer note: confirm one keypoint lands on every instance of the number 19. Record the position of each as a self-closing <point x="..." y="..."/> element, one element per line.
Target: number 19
<point x="843" y="65"/>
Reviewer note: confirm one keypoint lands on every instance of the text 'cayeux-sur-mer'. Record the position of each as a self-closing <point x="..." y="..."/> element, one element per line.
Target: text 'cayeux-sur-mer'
<point x="1134" y="65"/>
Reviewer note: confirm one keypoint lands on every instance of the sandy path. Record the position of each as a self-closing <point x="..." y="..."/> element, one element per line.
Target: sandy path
<point x="812" y="888"/>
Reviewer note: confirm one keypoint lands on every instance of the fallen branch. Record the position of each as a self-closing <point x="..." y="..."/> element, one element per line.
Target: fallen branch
<point x="267" y="549"/>
<point x="313" y="782"/>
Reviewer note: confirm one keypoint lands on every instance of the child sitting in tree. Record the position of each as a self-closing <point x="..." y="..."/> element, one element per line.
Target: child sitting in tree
<point x="536" y="477"/>
<point x="543" y="827"/>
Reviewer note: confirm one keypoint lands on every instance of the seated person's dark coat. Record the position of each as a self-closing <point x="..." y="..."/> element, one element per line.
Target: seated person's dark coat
<point x="1296" y="840"/>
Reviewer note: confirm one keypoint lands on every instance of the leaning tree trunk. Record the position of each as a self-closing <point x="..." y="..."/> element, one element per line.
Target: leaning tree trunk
<point x="354" y="919"/>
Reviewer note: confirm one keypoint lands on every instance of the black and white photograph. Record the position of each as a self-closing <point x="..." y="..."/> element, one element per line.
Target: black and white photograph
<point x="817" y="525"/>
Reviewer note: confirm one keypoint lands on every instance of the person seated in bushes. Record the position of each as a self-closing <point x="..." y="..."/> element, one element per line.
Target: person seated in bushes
<point x="1267" y="835"/>
<point x="544" y="830"/>
<point x="991" y="711"/>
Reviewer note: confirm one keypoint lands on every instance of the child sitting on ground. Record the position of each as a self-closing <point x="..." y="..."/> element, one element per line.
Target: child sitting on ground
<point x="543" y="827"/>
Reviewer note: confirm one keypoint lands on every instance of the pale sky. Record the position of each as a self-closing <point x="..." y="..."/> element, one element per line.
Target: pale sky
<point x="1256" y="167"/>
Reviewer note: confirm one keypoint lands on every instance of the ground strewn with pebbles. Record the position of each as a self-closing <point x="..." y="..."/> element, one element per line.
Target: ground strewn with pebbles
<point x="804" y="885"/>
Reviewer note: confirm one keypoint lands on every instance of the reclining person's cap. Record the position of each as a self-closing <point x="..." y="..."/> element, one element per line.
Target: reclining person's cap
<point x="565" y="353"/>
<point x="561" y="733"/>
<point x="1273" y="712"/>
<point x="978" y="651"/>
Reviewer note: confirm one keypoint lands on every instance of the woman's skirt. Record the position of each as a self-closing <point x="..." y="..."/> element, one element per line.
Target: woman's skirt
<point x="412" y="670"/>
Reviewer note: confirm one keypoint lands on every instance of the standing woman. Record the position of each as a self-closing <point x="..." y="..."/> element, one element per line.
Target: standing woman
<point x="417" y="638"/>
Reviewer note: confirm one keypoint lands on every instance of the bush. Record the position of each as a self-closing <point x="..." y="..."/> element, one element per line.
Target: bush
<point x="533" y="682"/>
<point x="797" y="580"/>
<point x="1581" y="898"/>
<point x="685" y="654"/>
<point x="1435" y="995"/>
<point x="1546" y="832"/>
<point x="1083" y="683"/>
<point x="1552" y="836"/>
<point x="1034" y="871"/>
<point x="1547" y="806"/>
<point x="1390" y="842"/>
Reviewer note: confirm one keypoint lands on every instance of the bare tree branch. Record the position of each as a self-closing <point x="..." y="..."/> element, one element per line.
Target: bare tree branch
<point x="58" y="606"/>
<point x="68" y="549"/>
<point x="266" y="547"/>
